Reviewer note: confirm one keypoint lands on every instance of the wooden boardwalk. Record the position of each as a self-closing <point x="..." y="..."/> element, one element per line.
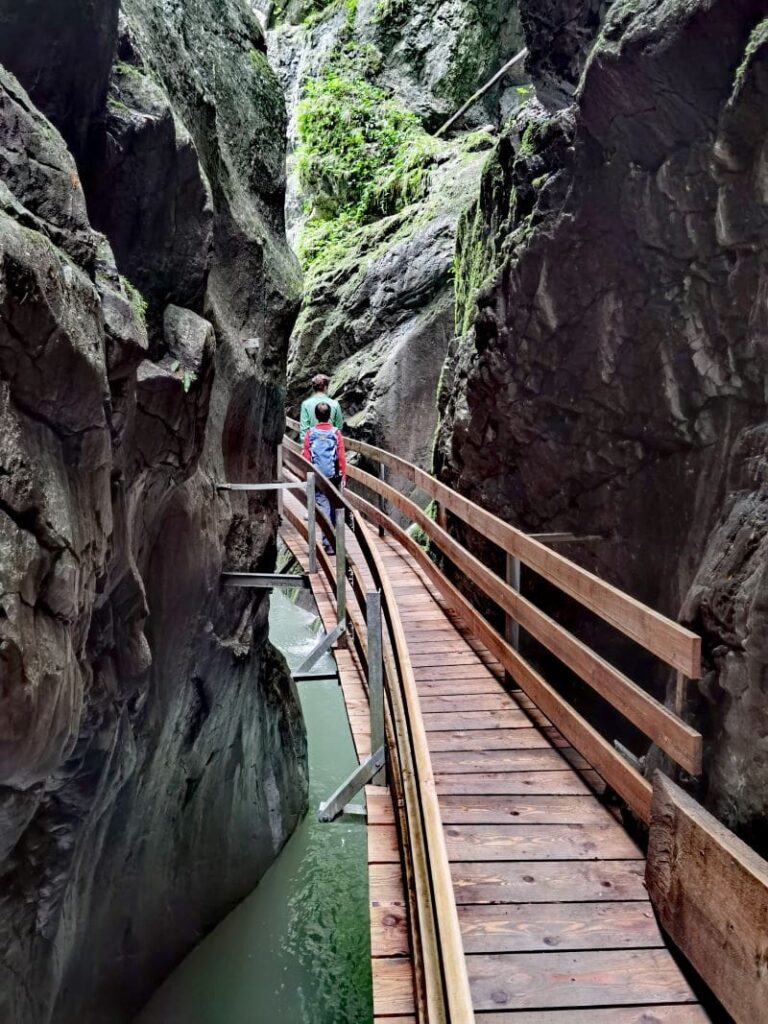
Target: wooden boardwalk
<point x="390" y="949"/>
<point x="556" y="922"/>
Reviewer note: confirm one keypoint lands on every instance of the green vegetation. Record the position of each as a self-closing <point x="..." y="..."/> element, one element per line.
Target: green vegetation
<point x="362" y="155"/>
<point x="417" y="533"/>
<point x="758" y="37"/>
<point x="137" y="301"/>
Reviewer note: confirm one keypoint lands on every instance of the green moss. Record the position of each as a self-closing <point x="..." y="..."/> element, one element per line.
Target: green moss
<point x="417" y="533"/>
<point x="361" y="156"/>
<point x="758" y="37"/>
<point x="115" y="104"/>
<point x="259" y="61"/>
<point x="137" y="301"/>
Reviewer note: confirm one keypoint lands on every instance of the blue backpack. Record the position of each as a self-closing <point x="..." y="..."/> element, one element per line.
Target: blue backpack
<point x="324" y="451"/>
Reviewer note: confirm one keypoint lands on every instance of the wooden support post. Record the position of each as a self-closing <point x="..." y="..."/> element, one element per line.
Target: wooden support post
<point x="375" y="676"/>
<point x="341" y="574"/>
<point x="511" y="627"/>
<point x="680" y="684"/>
<point x="311" y="524"/>
<point x="441" y="515"/>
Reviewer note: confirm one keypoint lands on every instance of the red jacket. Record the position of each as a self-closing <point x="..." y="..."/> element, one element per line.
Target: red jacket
<point x="340" y="448"/>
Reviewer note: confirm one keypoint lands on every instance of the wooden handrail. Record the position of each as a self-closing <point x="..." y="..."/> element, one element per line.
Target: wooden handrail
<point x="672" y="643"/>
<point x="670" y="733"/>
<point x="597" y="751"/>
<point x="445" y="966"/>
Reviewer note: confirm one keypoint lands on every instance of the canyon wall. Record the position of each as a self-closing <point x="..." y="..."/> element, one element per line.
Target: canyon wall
<point x="608" y="374"/>
<point x="152" y="753"/>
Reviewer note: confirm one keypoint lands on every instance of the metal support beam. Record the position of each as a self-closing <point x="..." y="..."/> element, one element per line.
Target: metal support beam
<point x="283" y="485"/>
<point x="380" y="497"/>
<point x="280" y="480"/>
<point x="375" y="675"/>
<point x="330" y="809"/>
<point x="321" y="648"/>
<point x="311" y="524"/>
<point x="314" y="677"/>
<point x="341" y="574"/>
<point x="265" y="580"/>
<point x="512" y="628"/>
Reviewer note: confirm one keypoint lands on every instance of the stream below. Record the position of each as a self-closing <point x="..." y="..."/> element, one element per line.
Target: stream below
<point x="297" y="950"/>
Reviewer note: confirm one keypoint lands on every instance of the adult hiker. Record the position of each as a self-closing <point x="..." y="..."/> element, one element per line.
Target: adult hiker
<point x="324" y="448"/>
<point x="309" y="406"/>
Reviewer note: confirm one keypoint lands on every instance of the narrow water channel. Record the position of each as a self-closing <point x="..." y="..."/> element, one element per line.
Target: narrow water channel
<point x="297" y="950"/>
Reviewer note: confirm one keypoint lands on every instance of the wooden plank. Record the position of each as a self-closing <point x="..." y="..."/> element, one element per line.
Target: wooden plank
<point x="538" y="927"/>
<point x="379" y="803"/>
<point x="539" y="842"/>
<point x="459" y="809"/>
<point x="506" y="718"/>
<point x="392" y="986"/>
<point x="445" y="688"/>
<point x="711" y="892"/>
<point x="553" y="783"/>
<point x="677" y="1013"/>
<point x="432" y="673"/>
<point x="548" y="881"/>
<point x="488" y="739"/>
<point x="389" y="930"/>
<point x="383" y="846"/>
<point x="671" y="642"/>
<point x="589" y="978"/>
<point x="544" y="759"/>
<point x="386" y="883"/>
<point x="496" y="700"/>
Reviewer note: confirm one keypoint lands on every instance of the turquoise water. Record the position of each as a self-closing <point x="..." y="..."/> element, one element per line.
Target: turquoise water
<point x="297" y="950"/>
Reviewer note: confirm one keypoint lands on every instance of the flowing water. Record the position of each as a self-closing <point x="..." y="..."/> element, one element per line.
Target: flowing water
<point x="297" y="950"/>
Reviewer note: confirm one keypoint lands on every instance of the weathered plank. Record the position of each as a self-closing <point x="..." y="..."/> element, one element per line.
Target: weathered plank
<point x="545" y="882"/>
<point x="505" y="718"/>
<point x="539" y="842"/>
<point x="588" y="978"/>
<point x="383" y="846"/>
<point x="544" y="759"/>
<point x="507" y="740"/>
<point x="546" y="810"/>
<point x="532" y="927"/>
<point x="495" y="700"/>
<point x="552" y="783"/>
<point x="711" y="892"/>
<point x="677" y="1013"/>
<point x="392" y="986"/>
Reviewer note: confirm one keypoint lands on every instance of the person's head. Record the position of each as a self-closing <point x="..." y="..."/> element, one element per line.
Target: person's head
<point x="322" y="412"/>
<point x="320" y="382"/>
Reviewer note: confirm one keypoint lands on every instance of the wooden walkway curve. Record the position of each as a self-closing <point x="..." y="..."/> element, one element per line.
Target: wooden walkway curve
<point x="555" y="921"/>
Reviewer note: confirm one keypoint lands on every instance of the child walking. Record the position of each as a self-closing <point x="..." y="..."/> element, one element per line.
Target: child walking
<point x="324" y="448"/>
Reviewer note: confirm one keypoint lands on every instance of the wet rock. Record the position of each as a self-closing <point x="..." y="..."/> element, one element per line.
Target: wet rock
<point x="615" y="350"/>
<point x="152" y="757"/>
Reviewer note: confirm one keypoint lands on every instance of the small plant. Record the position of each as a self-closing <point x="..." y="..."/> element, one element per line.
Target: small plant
<point x="136" y="299"/>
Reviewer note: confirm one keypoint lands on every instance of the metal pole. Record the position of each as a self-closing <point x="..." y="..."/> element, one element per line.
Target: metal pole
<point x="375" y="676"/>
<point x="380" y="497"/>
<point x="341" y="573"/>
<point x="311" y="523"/>
<point x="511" y="627"/>
<point x="280" y="479"/>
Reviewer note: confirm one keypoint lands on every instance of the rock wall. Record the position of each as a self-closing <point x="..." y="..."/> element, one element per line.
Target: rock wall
<point x="378" y="309"/>
<point x="611" y="377"/>
<point x="152" y="754"/>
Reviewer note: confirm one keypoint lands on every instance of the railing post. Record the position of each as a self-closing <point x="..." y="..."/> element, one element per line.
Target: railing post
<point x="280" y="479"/>
<point x="311" y="523"/>
<point x="375" y="676"/>
<point x="341" y="573"/>
<point x="380" y="497"/>
<point x="511" y="627"/>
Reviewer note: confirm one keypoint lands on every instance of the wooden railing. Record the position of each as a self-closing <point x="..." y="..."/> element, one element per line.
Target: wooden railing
<point x="667" y="640"/>
<point x="441" y="981"/>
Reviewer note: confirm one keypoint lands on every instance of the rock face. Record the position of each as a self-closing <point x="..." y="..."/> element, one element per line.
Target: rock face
<point x="378" y="313"/>
<point x="611" y="377"/>
<point x="152" y="755"/>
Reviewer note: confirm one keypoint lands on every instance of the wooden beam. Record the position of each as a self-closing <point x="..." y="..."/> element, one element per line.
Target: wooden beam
<point x="670" y="641"/>
<point x="711" y="893"/>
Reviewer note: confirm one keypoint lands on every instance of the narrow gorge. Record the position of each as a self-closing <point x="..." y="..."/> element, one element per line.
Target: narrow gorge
<point x="558" y="306"/>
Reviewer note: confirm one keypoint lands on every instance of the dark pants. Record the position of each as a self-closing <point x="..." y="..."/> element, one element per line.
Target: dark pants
<point x="325" y="506"/>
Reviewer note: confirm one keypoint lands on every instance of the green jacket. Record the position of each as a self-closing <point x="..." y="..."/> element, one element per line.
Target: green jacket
<point x="308" y="418"/>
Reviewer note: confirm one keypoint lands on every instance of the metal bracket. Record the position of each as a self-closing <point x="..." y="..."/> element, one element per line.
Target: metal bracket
<point x="320" y="649"/>
<point x="330" y="809"/>
<point x="316" y="677"/>
<point x="265" y="580"/>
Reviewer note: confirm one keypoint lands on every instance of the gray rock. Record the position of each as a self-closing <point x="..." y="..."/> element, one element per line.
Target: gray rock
<point x="153" y="759"/>
<point x="615" y="346"/>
